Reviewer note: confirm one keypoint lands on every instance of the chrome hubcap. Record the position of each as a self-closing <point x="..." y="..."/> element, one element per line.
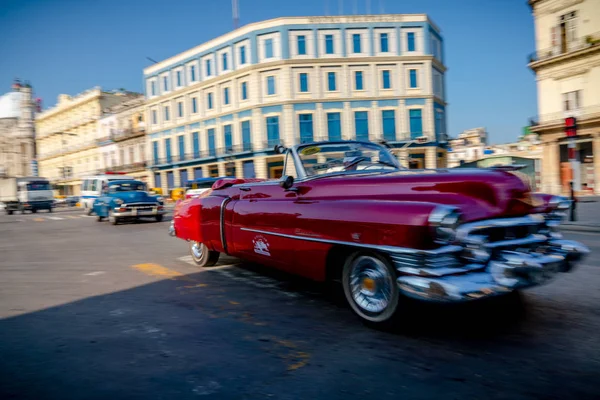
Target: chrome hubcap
<point x="196" y="250"/>
<point x="371" y="284"/>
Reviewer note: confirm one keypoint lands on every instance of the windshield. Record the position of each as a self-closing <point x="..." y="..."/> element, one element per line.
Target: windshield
<point x="199" y="185"/>
<point x="325" y="159"/>
<point x="38" y="186"/>
<point x="126" y="187"/>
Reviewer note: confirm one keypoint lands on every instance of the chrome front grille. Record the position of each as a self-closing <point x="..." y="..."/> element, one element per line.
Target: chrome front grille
<point x="425" y="260"/>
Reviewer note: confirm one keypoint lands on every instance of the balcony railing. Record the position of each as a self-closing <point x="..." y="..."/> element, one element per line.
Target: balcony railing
<point x="220" y="152"/>
<point x="582" y="113"/>
<point x="137" y="166"/>
<point x="128" y="133"/>
<point x="566" y="48"/>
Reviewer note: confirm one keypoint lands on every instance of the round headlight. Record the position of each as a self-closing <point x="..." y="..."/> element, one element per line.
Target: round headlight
<point x="444" y="221"/>
<point x="160" y="199"/>
<point x="118" y="201"/>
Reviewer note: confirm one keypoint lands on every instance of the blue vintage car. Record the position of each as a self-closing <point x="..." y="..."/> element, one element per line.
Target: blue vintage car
<point x="127" y="199"/>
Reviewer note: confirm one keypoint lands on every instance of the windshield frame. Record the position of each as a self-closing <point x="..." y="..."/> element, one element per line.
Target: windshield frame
<point x="114" y="184"/>
<point x="301" y="171"/>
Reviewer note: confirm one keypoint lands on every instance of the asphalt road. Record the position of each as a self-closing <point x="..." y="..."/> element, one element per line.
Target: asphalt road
<point x="94" y="311"/>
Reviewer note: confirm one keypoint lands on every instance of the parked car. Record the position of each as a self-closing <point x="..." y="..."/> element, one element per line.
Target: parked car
<point x="348" y="212"/>
<point x="72" y="201"/>
<point x="127" y="200"/>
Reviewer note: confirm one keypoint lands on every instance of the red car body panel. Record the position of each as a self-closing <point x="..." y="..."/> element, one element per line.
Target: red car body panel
<point x="380" y="209"/>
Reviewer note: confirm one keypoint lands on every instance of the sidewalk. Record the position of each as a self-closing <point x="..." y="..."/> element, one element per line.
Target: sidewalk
<point x="587" y="214"/>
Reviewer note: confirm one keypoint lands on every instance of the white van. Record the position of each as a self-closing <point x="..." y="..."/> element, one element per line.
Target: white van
<point x="92" y="187"/>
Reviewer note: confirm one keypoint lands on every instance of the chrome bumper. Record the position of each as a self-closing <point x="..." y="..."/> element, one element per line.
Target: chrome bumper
<point x="507" y="270"/>
<point x="135" y="213"/>
<point x="172" y="228"/>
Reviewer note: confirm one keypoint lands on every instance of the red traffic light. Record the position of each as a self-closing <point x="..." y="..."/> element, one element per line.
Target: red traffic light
<point x="571" y="126"/>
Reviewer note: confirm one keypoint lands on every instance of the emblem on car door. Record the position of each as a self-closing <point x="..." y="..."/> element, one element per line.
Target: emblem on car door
<point x="261" y="246"/>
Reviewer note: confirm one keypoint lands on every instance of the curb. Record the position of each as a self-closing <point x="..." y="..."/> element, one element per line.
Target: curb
<point x="580" y="228"/>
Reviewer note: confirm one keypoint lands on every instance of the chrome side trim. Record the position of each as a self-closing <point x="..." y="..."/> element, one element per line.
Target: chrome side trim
<point x="388" y="249"/>
<point x="222" y="222"/>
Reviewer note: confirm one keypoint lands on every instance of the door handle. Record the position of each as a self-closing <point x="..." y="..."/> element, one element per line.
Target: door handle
<point x="245" y="189"/>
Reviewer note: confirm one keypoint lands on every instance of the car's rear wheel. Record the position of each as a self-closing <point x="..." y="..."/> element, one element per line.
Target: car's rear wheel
<point x="369" y="282"/>
<point x="33" y="210"/>
<point x="159" y="218"/>
<point x="202" y="256"/>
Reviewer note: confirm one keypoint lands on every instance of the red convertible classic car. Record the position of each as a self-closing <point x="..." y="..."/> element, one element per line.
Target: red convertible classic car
<point x="348" y="211"/>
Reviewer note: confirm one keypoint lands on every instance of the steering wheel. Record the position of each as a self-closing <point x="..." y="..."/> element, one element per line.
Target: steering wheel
<point x="355" y="162"/>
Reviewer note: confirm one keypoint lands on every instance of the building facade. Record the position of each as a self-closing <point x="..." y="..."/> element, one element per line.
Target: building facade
<point x="17" y="133"/>
<point x="122" y="139"/>
<point x="67" y="137"/>
<point x="567" y="68"/>
<point x="469" y="146"/>
<point x="218" y="109"/>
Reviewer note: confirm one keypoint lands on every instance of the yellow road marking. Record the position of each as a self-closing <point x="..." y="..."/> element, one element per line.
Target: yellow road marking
<point x="39" y="219"/>
<point x="235" y="303"/>
<point x="160" y="271"/>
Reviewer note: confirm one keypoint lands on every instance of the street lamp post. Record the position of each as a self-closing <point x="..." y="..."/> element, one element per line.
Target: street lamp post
<point x="62" y="153"/>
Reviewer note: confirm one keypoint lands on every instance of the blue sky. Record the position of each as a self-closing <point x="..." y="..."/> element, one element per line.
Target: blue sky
<point x="67" y="46"/>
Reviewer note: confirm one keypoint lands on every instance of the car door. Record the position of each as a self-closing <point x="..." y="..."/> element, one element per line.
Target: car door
<point x="263" y="220"/>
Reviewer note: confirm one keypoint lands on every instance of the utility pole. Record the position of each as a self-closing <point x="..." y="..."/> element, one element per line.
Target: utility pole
<point x="235" y="13"/>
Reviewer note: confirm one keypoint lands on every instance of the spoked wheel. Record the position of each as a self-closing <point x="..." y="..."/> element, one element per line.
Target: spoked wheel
<point x="202" y="256"/>
<point x="111" y="218"/>
<point x="369" y="282"/>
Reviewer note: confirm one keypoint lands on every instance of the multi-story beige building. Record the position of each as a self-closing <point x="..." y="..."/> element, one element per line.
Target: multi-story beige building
<point x="468" y="146"/>
<point x="122" y="138"/>
<point x="67" y="137"/>
<point x="567" y="67"/>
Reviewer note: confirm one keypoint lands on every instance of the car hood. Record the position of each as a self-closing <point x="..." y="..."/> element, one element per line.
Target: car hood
<point x="479" y="193"/>
<point x="135" y="197"/>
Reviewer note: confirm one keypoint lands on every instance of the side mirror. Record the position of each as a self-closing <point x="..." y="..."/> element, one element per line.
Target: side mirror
<point x="287" y="182"/>
<point x="279" y="149"/>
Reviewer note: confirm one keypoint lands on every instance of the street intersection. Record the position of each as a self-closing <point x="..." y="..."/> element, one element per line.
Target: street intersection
<point x="91" y="310"/>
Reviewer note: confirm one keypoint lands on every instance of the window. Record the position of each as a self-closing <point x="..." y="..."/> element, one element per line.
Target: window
<point x="304" y="82"/>
<point x="167" y="116"/>
<point x="388" y="118"/>
<point x="211" y="142"/>
<point x="306" y="127"/>
<point x="226" y="96"/>
<point x="154" y="152"/>
<point x="192" y="73"/>
<point x="196" y="144"/>
<point x="181" y="145"/>
<point x="329" y="44"/>
<point x="334" y="126"/>
<point x="270" y="85"/>
<point x="269" y="48"/>
<point x="194" y="105"/>
<point x="356" y="43"/>
<point x="412" y="73"/>
<point x="439" y="125"/>
<point x="358" y="80"/>
<point x="244" y="90"/>
<point x="165" y="83"/>
<point x="224" y="61"/>
<point x="301" y="42"/>
<point x="178" y="74"/>
<point x="179" y="109"/>
<point x="273" y="130"/>
<point x="208" y="68"/>
<point x="410" y="41"/>
<point x="227" y="138"/>
<point x="385" y="79"/>
<point x="331" y="81"/>
<point x="384" y="43"/>
<point x="416" y="123"/>
<point x="209" y="101"/>
<point x="361" y="125"/>
<point x="154" y="117"/>
<point x="168" y="150"/>
<point x="242" y="55"/>
<point x="153" y="88"/>
<point x="437" y="84"/>
<point x="246" y="137"/>
<point x="571" y="100"/>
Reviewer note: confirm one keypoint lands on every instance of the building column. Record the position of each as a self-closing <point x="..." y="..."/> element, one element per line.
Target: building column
<point x="239" y="169"/>
<point x="403" y="157"/>
<point x="205" y="171"/>
<point x="221" y="166"/>
<point x="431" y="157"/>
<point x="551" y="168"/>
<point x="596" y="152"/>
<point x="260" y="167"/>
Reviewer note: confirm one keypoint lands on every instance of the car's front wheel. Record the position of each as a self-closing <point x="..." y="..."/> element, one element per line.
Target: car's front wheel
<point x="159" y="218"/>
<point x="369" y="282"/>
<point x="202" y="256"/>
<point x="111" y="218"/>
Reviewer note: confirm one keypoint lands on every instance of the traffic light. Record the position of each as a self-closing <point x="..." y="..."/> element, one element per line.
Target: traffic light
<point x="571" y="126"/>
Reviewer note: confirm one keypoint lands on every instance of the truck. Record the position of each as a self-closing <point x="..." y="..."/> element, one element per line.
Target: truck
<point x="26" y="194"/>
